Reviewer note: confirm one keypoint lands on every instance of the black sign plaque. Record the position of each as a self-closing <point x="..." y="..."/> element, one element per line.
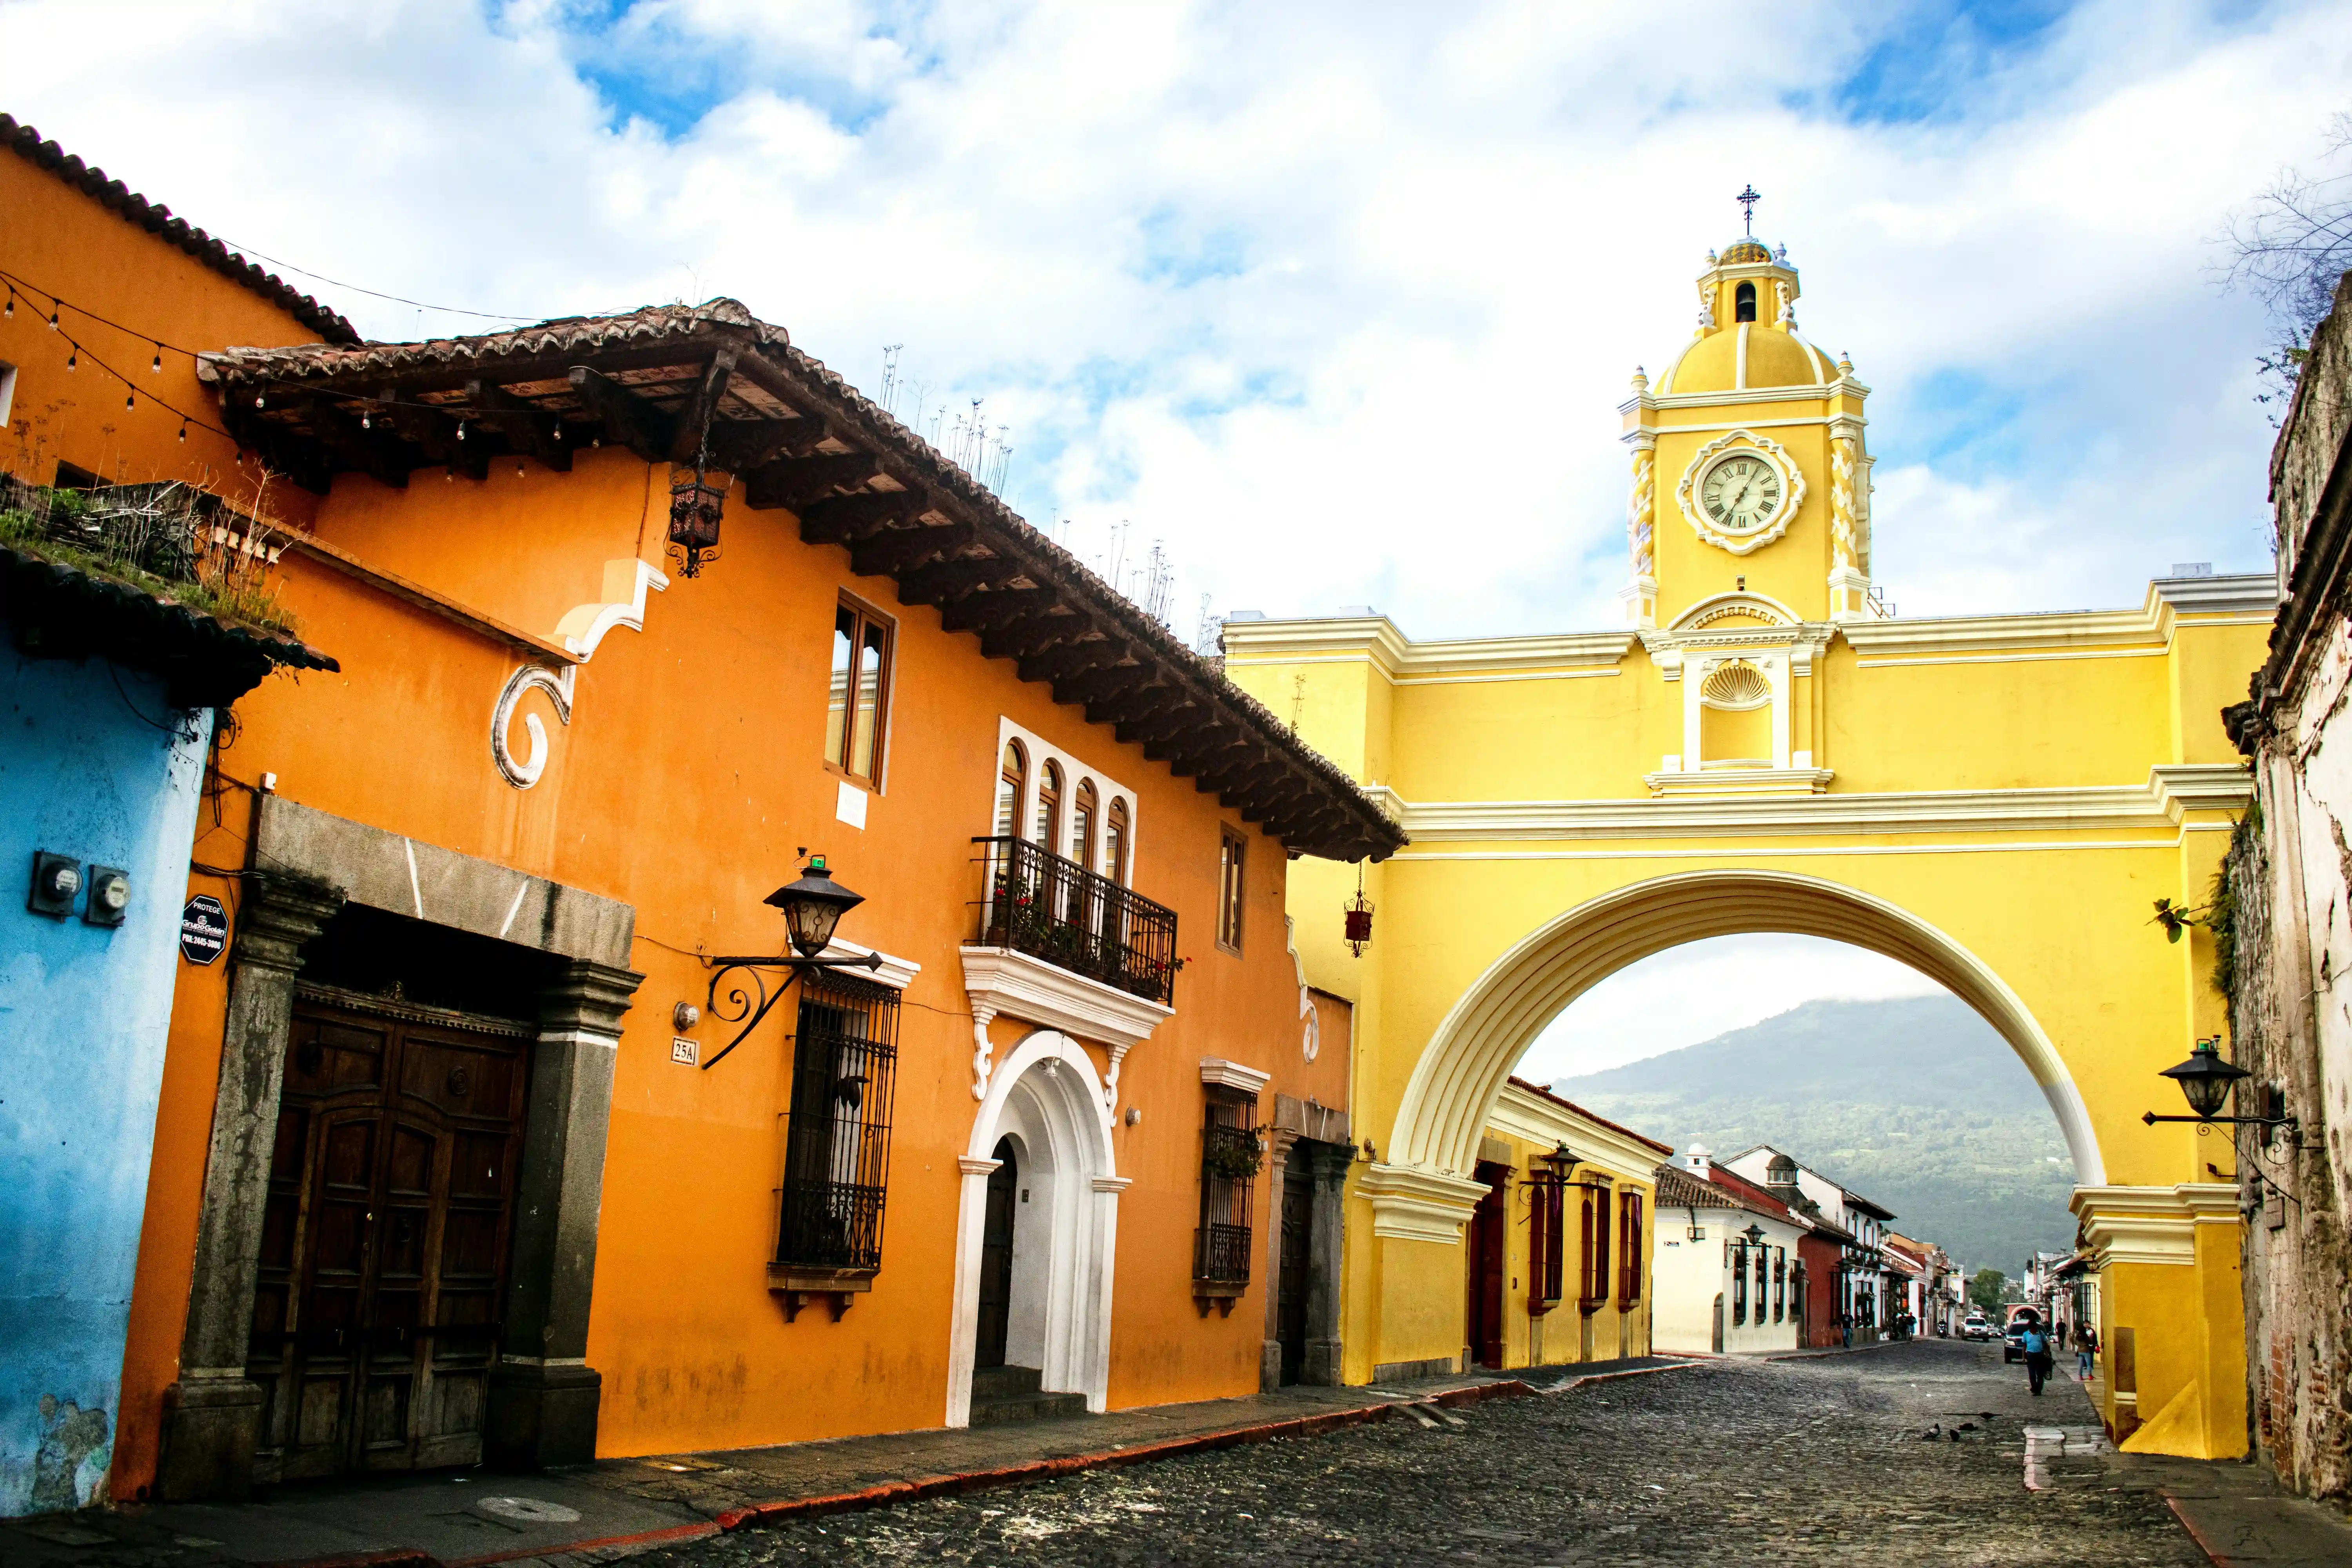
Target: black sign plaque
<point x="203" y="929"/>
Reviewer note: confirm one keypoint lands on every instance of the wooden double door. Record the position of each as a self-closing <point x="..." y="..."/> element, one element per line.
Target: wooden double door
<point x="385" y="1239"/>
<point x="1295" y="1277"/>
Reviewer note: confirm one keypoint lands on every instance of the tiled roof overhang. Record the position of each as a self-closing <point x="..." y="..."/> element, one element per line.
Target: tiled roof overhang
<point x="661" y="381"/>
<point x="58" y="611"/>
<point x="157" y="219"/>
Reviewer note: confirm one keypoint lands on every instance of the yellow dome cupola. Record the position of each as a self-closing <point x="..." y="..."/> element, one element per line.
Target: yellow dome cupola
<point x="1750" y="472"/>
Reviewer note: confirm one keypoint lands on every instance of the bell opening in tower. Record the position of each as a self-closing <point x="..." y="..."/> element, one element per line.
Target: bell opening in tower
<point x="1744" y="303"/>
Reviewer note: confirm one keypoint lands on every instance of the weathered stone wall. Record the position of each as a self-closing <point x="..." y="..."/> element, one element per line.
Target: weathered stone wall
<point x="2288" y="913"/>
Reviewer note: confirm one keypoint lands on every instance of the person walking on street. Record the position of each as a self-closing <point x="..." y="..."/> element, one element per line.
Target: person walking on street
<point x="2037" y="1354"/>
<point x="2086" y="1348"/>
<point x="2058" y="1334"/>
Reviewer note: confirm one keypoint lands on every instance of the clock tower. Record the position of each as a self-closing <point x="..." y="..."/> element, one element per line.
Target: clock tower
<point x="1750" y="477"/>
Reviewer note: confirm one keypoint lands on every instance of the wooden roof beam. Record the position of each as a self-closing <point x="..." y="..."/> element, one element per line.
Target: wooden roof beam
<point x="942" y="580"/>
<point x="1057" y="664"/>
<point x="380" y="455"/>
<point x="1033" y="635"/>
<point x="1002" y="606"/>
<point x="527" y="427"/>
<point x="739" y="446"/>
<point x="690" y="426"/>
<point x="793" y="481"/>
<point x="629" y="420"/>
<point x="848" y="520"/>
<point x="895" y="550"/>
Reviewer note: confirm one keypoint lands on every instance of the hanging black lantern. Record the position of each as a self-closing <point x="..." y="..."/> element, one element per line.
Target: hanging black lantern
<point x="696" y="502"/>
<point x="812" y="906"/>
<point x="1359" y="919"/>
<point x="2205" y="1079"/>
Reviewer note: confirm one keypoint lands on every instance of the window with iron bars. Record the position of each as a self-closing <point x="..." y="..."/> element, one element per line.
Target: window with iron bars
<point x="1037" y="902"/>
<point x="837" y="1126"/>
<point x="1230" y="1158"/>
<point x="1739" y="1284"/>
<point x="1630" y="1251"/>
<point x="1547" y="1237"/>
<point x="1592" y="1293"/>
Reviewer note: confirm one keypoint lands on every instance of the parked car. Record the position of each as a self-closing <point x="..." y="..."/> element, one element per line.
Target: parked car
<point x="2012" y="1346"/>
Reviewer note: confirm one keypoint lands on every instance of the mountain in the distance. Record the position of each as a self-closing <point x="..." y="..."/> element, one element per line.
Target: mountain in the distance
<point x="1914" y="1102"/>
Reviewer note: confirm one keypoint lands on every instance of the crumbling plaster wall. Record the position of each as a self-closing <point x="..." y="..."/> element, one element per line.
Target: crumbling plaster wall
<point x="2291" y="877"/>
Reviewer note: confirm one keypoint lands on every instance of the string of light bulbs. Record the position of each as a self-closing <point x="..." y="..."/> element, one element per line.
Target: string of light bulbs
<point x="33" y="293"/>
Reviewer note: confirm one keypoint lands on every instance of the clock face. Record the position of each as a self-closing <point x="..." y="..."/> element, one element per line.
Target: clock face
<point x="1741" y="492"/>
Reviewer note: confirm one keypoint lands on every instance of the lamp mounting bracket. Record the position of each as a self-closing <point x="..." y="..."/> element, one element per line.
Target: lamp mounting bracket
<point x="753" y="970"/>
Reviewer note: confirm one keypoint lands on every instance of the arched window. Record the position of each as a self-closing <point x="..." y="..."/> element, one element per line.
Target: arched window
<point x="1082" y="826"/>
<point x="1115" y="843"/>
<point x="1744" y="303"/>
<point x="1049" y="806"/>
<point x="1013" y="783"/>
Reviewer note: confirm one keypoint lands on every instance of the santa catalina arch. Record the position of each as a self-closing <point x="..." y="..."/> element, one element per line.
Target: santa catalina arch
<point x="1761" y="746"/>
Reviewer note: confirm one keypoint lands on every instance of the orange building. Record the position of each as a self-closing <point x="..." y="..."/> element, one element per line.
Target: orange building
<point x="477" y="1145"/>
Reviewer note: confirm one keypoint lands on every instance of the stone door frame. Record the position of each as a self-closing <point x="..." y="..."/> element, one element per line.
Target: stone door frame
<point x="305" y="866"/>
<point x="1318" y="1135"/>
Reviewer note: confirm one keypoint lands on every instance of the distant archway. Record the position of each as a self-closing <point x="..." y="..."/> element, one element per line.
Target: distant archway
<point x="1461" y="1072"/>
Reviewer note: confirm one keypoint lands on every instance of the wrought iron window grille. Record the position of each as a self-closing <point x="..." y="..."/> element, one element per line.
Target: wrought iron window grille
<point x="836" y="1134"/>
<point x="1231" y="1154"/>
<point x="1037" y="902"/>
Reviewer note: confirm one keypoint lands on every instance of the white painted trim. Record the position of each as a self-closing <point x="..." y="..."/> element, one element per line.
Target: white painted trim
<point x="2252" y="595"/>
<point x="1797" y="851"/>
<point x="1084" y="1213"/>
<point x="1218" y="1073"/>
<point x="1413" y="1204"/>
<point x="2171" y="792"/>
<point x="895" y="972"/>
<point x="2151" y="1225"/>
<point x="1377" y="639"/>
<point x="1016" y="985"/>
<point x="1523" y="1113"/>
<point x="627" y="582"/>
<point x="1778" y="783"/>
<point x="1039" y="750"/>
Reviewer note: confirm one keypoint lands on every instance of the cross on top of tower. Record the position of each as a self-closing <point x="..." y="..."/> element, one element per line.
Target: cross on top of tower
<point x="1748" y="199"/>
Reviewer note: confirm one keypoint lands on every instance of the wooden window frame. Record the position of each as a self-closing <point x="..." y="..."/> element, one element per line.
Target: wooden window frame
<point x="884" y="686"/>
<point x="1629" y="1263"/>
<point x="1233" y="888"/>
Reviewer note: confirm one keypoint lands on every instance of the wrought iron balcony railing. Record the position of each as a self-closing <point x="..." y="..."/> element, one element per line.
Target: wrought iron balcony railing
<point x="1034" y="901"/>
<point x="1221" y="1254"/>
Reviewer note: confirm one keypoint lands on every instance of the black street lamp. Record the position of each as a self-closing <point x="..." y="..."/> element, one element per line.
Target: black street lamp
<point x="812" y="905"/>
<point x="2206" y="1080"/>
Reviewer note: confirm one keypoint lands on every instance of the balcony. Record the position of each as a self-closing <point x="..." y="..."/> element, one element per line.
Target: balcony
<point x="1035" y="902"/>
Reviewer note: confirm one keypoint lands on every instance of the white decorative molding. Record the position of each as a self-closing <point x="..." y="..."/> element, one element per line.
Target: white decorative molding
<point x="1720" y="606"/>
<point x="1739" y="780"/>
<point x="1113" y="1185"/>
<point x="973" y="1165"/>
<point x="1038" y="751"/>
<point x="1543" y="1117"/>
<point x="2163" y="803"/>
<point x="2151" y="1225"/>
<point x="2249" y="599"/>
<point x="1412" y="1202"/>
<point x="895" y="972"/>
<point x="627" y="582"/>
<point x="1375" y="640"/>
<point x="1722" y="448"/>
<point x="1000" y="981"/>
<point x="1311" y="1026"/>
<point x="1219" y="1073"/>
<point x="524" y="771"/>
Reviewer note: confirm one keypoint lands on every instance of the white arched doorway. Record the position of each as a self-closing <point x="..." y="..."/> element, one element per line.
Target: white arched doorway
<point x="1461" y="1072"/>
<point x="1046" y="1103"/>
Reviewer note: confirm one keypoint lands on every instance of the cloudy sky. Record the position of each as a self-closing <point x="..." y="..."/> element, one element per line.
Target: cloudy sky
<point x="1333" y="302"/>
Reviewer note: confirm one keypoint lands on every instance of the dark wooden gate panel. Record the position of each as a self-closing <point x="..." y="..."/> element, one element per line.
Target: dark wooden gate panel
<point x="996" y="1259"/>
<point x="385" y="1239"/>
<point x="1487" y="1230"/>
<point x="1298" y="1236"/>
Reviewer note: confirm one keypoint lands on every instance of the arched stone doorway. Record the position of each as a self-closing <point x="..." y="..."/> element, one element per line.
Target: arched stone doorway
<point x="1046" y="1103"/>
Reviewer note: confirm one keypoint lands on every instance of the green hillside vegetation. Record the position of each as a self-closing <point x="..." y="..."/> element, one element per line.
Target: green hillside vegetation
<point x="1914" y="1102"/>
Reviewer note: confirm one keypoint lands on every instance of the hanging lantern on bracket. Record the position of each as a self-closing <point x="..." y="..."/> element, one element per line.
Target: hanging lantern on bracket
<point x="697" y="499"/>
<point x="1359" y="918"/>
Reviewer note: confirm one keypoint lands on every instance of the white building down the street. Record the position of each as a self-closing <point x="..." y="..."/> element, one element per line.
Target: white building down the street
<point x="1863" y="1298"/>
<point x="1727" y="1276"/>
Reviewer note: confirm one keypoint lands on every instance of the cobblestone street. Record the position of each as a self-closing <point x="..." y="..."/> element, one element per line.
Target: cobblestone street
<point x="1724" y="1463"/>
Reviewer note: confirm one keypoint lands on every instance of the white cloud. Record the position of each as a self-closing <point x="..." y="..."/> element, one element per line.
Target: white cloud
<point x="1337" y="301"/>
<point x="1703" y="989"/>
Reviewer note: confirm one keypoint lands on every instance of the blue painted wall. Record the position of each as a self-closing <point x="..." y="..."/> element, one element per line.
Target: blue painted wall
<point x="85" y="771"/>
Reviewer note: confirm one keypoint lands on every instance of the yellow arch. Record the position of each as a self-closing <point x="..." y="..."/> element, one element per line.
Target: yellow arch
<point x="1462" y="1070"/>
